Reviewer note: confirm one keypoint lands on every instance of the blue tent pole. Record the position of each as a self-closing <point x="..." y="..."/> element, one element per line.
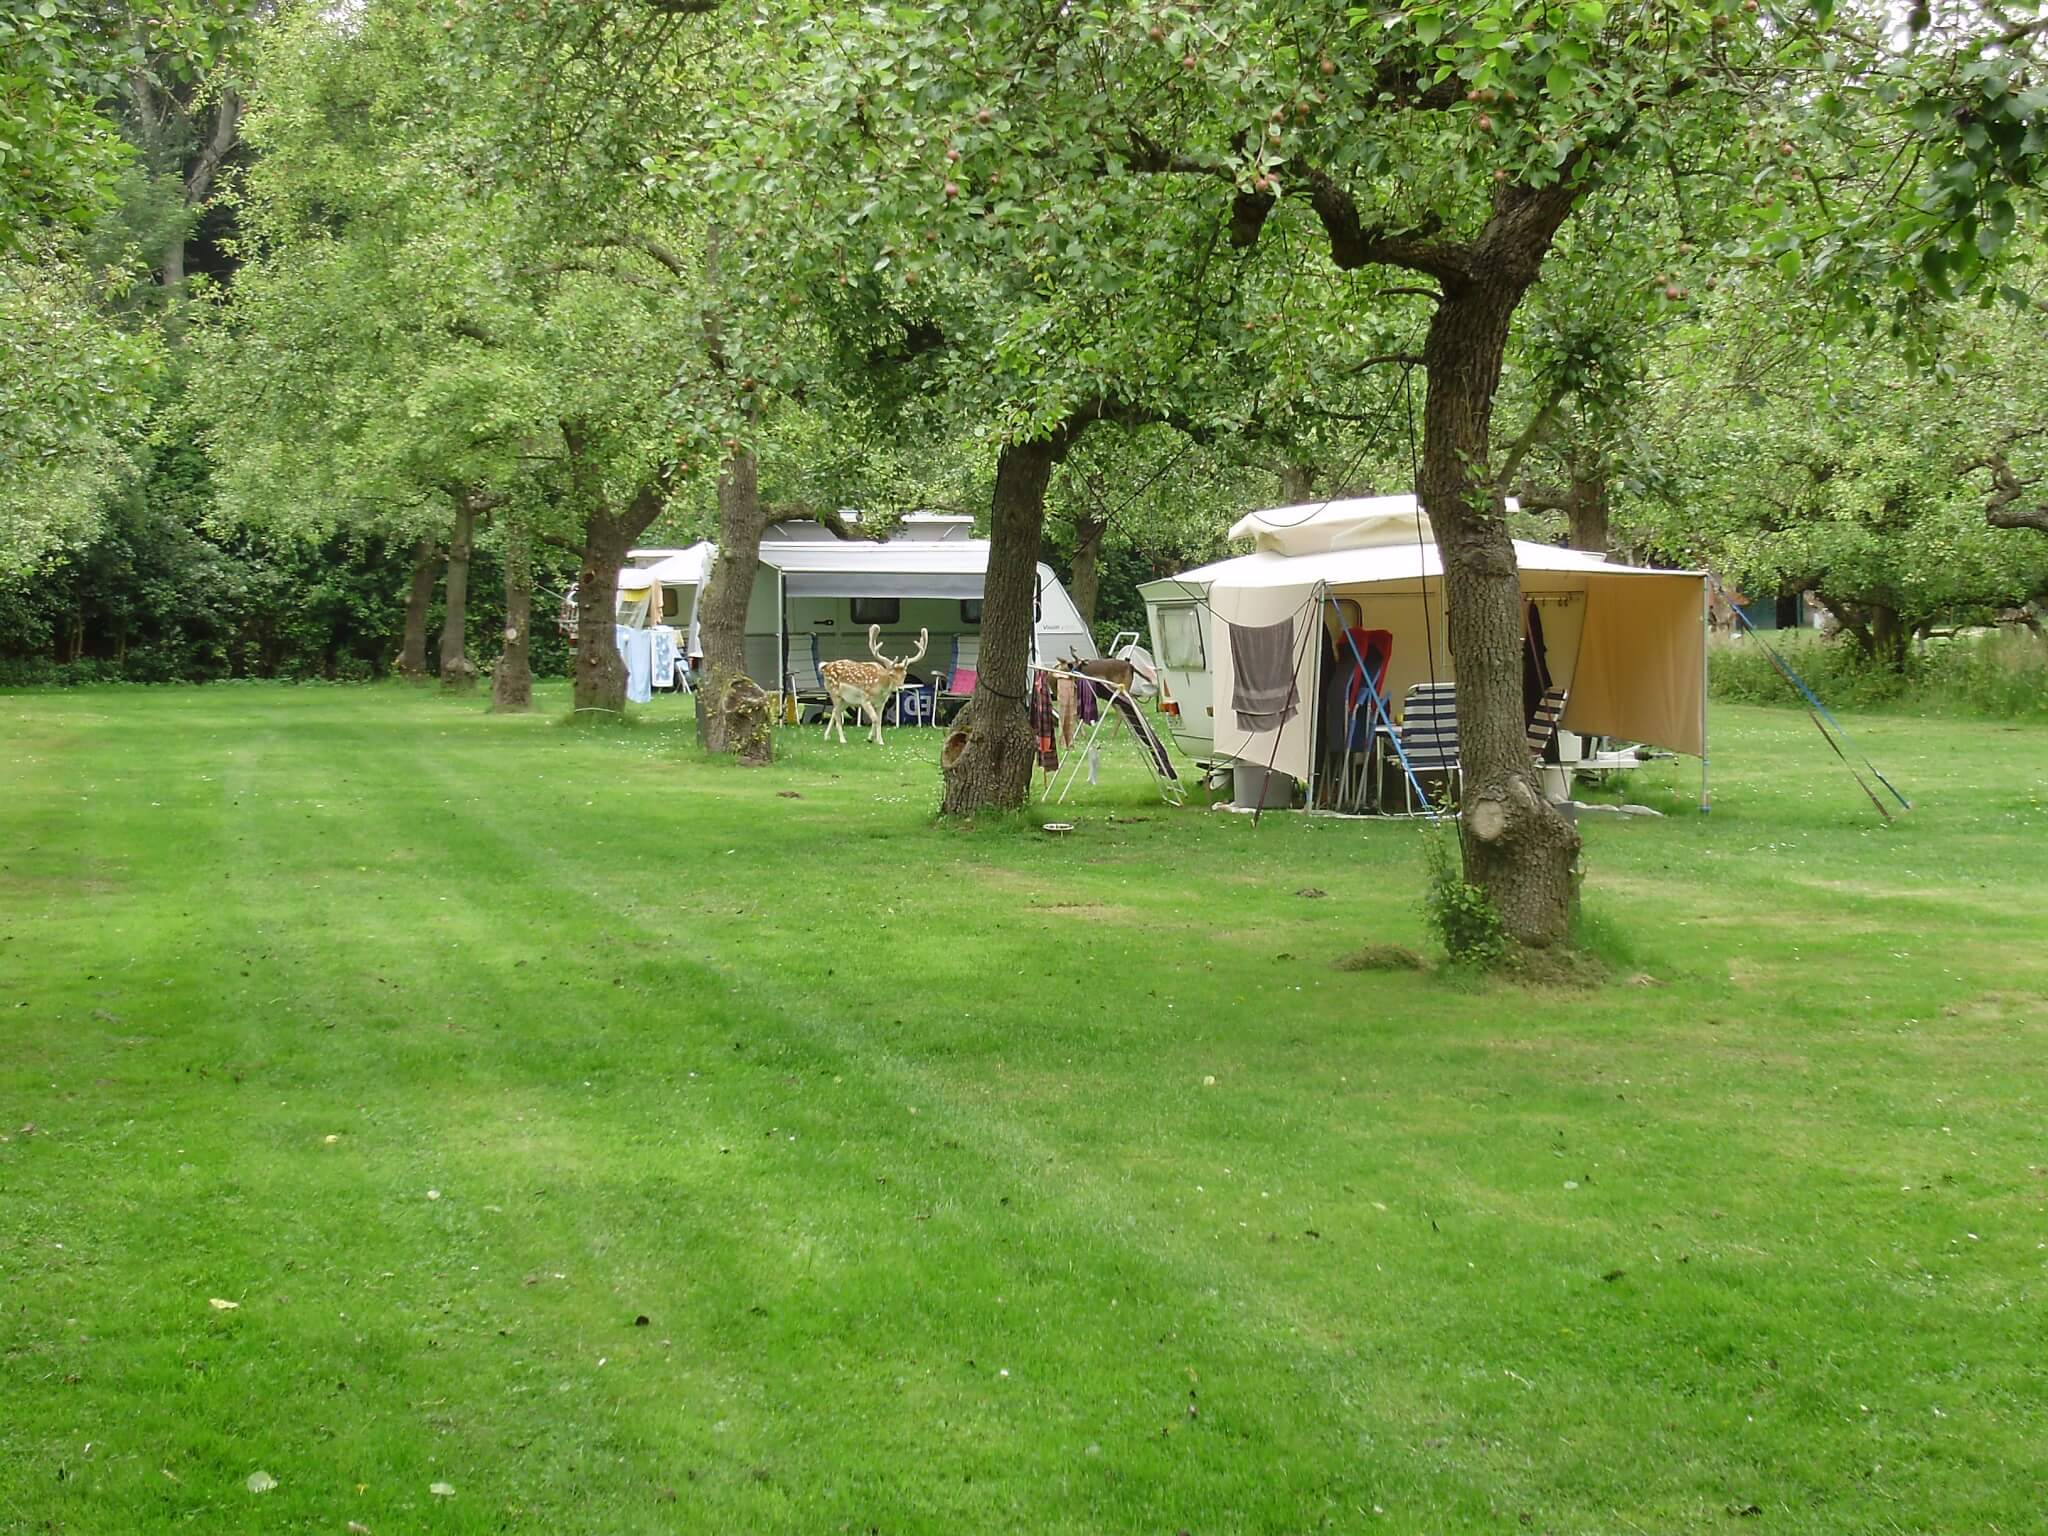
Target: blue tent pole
<point x="1785" y="668"/>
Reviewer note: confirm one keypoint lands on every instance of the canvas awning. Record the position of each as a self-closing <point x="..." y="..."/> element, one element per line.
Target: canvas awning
<point x="1628" y="641"/>
<point x="955" y="569"/>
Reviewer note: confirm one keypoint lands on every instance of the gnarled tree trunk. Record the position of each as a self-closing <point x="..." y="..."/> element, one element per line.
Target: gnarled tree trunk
<point x="412" y="648"/>
<point x="748" y="721"/>
<point x="512" y="674"/>
<point x="994" y="771"/>
<point x="1517" y="847"/>
<point x="722" y="607"/>
<point x="458" y="672"/>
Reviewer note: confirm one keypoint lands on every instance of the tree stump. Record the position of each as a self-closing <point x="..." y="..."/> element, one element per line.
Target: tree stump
<point x="749" y="722"/>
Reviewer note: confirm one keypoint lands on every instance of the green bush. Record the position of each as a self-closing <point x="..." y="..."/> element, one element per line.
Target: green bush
<point x="2000" y="676"/>
<point x="1460" y="914"/>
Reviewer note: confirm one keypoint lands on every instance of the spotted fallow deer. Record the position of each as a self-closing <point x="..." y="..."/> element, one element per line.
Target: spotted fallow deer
<point x="866" y="685"/>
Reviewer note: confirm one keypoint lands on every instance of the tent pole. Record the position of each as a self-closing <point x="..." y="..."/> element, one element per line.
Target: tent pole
<point x="1315" y="721"/>
<point x="1706" y="634"/>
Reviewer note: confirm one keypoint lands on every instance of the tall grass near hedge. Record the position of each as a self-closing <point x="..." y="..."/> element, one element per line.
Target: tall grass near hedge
<point x="2001" y="676"/>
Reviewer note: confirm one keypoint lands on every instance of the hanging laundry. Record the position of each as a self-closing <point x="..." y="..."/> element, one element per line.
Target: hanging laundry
<point x="1262" y="665"/>
<point x="1091" y="707"/>
<point x="1044" y="723"/>
<point x="636" y="650"/>
<point x="1070" y="712"/>
<point x="664" y="657"/>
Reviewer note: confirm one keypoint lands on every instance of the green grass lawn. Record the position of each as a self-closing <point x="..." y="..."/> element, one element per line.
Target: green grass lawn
<point x="634" y="1144"/>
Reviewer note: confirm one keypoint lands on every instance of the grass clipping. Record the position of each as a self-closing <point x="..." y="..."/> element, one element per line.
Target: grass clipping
<point x="1382" y="957"/>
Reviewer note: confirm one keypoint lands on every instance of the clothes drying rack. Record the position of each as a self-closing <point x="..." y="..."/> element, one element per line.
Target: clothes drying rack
<point x="1117" y="704"/>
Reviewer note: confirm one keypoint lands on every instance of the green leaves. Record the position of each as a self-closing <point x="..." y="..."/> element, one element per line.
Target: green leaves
<point x="75" y="397"/>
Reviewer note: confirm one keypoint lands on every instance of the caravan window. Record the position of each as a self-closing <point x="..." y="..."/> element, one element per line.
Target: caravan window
<point x="672" y="611"/>
<point x="877" y="610"/>
<point x="1180" y="639"/>
<point x="970" y="610"/>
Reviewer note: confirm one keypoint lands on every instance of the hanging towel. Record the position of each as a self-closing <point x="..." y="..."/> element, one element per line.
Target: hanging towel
<point x="1070" y="711"/>
<point x="636" y="650"/>
<point x="1044" y="724"/>
<point x="1262" y="661"/>
<point x="1090" y="707"/>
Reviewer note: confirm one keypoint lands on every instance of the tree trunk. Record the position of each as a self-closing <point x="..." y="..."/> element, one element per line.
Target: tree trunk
<point x="1086" y="587"/>
<point x="994" y="770"/>
<point x="458" y="672"/>
<point x="1517" y="848"/>
<point x="1586" y="506"/>
<point x="1297" y="483"/>
<point x="722" y="607"/>
<point x="599" y="676"/>
<point x="199" y="178"/>
<point x="1887" y="638"/>
<point x="512" y="675"/>
<point x="412" y="648"/>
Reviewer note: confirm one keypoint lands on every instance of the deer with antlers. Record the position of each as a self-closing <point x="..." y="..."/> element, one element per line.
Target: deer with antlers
<point x="866" y="685"/>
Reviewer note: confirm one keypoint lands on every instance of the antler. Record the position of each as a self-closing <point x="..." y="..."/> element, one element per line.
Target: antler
<point x="924" y="638"/>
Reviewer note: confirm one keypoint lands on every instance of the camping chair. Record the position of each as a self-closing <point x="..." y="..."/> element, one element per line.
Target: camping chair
<point x="958" y="682"/>
<point x="801" y="680"/>
<point x="1429" y="734"/>
<point x="1365" y="653"/>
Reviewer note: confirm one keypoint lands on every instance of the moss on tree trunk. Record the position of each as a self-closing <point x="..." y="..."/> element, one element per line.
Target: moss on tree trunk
<point x="512" y="675"/>
<point x="722" y="610"/>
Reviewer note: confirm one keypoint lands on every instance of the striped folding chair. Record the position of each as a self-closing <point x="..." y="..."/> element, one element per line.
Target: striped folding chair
<point x="1543" y="724"/>
<point x="1429" y="736"/>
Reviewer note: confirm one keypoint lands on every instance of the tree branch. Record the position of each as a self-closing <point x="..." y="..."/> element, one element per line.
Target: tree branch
<point x="1540" y="498"/>
<point x="199" y="180"/>
<point x="2007" y="488"/>
<point x="1539" y="426"/>
<point x="1354" y="245"/>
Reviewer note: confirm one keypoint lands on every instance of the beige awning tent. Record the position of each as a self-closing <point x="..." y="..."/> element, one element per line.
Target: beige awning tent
<point x="1628" y="642"/>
